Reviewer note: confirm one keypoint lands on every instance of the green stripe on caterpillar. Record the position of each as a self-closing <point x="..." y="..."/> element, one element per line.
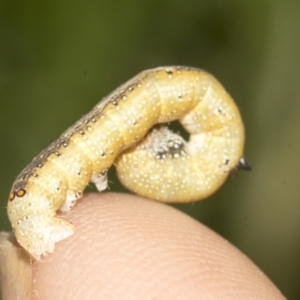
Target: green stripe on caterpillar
<point x="155" y="163"/>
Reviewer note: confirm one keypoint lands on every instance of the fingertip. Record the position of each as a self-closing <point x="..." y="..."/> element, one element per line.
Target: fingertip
<point x="126" y="247"/>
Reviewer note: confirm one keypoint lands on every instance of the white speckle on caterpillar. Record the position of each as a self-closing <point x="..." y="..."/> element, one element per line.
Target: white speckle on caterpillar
<point x="157" y="164"/>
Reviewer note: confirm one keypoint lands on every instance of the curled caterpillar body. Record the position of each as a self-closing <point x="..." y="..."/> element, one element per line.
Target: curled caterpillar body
<point x="158" y="164"/>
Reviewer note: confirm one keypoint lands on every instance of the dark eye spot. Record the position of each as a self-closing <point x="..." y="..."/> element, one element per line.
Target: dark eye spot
<point x="21" y="193"/>
<point x="12" y="196"/>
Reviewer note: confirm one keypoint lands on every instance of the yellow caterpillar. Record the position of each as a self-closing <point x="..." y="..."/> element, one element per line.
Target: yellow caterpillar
<point x="157" y="164"/>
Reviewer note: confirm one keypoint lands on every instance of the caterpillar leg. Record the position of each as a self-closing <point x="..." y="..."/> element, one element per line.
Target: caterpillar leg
<point x="39" y="240"/>
<point x="100" y="181"/>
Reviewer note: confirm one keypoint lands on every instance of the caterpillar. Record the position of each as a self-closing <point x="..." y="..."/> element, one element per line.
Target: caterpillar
<point x="151" y="161"/>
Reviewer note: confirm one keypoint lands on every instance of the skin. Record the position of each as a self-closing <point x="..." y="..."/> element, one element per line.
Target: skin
<point x="127" y="247"/>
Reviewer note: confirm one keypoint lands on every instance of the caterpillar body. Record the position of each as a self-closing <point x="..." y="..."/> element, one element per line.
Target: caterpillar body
<point x="157" y="164"/>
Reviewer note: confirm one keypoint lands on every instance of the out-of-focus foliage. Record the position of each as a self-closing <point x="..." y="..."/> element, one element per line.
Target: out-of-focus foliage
<point x="58" y="58"/>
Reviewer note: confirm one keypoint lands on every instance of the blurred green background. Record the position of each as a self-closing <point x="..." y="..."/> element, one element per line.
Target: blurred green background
<point x="59" y="58"/>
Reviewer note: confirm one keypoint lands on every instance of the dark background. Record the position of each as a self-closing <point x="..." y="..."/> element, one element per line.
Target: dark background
<point x="58" y="59"/>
